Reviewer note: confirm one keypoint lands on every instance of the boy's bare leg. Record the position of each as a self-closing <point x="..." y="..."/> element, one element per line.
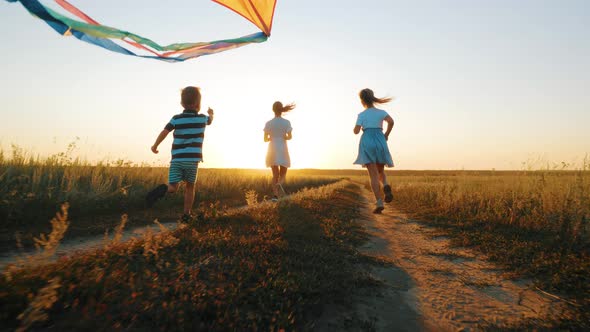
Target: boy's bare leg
<point x="189" y="198"/>
<point x="172" y="188"/>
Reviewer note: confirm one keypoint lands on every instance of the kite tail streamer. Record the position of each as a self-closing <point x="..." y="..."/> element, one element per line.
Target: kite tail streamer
<point x="100" y="35"/>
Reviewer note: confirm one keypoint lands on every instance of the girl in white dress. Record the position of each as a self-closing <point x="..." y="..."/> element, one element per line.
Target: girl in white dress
<point x="277" y="132"/>
<point x="373" y="151"/>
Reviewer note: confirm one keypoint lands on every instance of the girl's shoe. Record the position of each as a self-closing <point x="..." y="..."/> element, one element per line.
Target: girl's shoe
<point x="388" y="194"/>
<point x="156" y="194"/>
<point x="379" y="207"/>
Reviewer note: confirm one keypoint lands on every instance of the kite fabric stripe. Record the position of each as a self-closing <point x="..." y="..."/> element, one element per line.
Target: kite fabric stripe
<point x="69" y="7"/>
<point x="259" y="12"/>
<point x="102" y="36"/>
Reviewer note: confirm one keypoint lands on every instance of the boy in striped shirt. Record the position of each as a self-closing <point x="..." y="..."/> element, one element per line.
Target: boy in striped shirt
<point x="189" y="132"/>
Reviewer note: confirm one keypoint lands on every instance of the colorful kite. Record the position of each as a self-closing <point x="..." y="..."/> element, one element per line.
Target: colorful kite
<point x="259" y="12"/>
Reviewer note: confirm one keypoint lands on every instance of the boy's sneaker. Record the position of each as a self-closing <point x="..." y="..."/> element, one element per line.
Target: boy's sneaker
<point x="186" y="218"/>
<point x="274" y="199"/>
<point x="379" y="207"/>
<point x="388" y="194"/>
<point x="156" y="194"/>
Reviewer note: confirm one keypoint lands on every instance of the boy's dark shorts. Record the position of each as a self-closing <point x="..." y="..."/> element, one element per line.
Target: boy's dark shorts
<point x="183" y="171"/>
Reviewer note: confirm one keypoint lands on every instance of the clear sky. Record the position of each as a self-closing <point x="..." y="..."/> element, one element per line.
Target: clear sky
<point x="477" y="84"/>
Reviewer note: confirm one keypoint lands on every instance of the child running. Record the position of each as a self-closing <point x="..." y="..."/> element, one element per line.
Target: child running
<point x="373" y="151"/>
<point x="189" y="132"/>
<point x="277" y="132"/>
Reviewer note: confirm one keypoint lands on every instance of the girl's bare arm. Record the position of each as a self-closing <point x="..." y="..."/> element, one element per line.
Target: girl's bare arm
<point x="389" y="121"/>
<point x="357" y="129"/>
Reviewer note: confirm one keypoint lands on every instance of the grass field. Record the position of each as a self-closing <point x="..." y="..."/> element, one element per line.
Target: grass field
<point x="250" y="269"/>
<point x="32" y="189"/>
<point x="269" y="267"/>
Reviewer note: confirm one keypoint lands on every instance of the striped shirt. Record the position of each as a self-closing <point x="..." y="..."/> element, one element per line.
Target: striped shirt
<point x="189" y="132"/>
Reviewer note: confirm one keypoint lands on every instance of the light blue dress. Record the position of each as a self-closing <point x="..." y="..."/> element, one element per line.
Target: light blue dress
<point x="373" y="147"/>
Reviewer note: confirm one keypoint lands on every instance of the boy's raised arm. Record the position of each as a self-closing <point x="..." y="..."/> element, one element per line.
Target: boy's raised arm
<point x="211" y="113"/>
<point x="159" y="140"/>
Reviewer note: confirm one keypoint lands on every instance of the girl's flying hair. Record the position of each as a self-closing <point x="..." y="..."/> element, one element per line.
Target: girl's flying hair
<point x="278" y="107"/>
<point x="369" y="99"/>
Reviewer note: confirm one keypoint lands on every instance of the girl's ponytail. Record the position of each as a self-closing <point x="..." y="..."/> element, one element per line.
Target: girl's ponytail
<point x="369" y="99"/>
<point x="278" y="107"/>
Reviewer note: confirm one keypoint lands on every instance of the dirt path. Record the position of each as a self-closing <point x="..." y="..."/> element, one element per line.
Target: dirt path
<point x="83" y="243"/>
<point x="433" y="286"/>
<point x="89" y="242"/>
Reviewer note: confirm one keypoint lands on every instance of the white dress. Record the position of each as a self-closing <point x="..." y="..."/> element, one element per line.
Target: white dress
<point x="278" y="153"/>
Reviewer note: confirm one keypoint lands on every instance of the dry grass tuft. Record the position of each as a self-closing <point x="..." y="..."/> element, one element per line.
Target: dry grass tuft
<point x="48" y="244"/>
<point x="39" y="305"/>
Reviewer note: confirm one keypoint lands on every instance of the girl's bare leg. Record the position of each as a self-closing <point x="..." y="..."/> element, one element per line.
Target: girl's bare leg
<point x="386" y="188"/>
<point x="282" y="176"/>
<point x="275" y="180"/>
<point x="382" y="176"/>
<point x="374" y="176"/>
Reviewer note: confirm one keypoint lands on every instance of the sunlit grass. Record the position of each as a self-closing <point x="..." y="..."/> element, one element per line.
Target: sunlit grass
<point x="555" y="202"/>
<point x="265" y="267"/>
<point x="31" y="188"/>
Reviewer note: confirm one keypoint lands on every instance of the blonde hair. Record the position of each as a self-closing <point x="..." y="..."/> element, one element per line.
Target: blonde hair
<point x="368" y="98"/>
<point x="278" y="107"/>
<point x="190" y="98"/>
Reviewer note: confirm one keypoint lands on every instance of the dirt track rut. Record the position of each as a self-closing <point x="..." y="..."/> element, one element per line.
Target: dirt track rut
<point x="433" y="286"/>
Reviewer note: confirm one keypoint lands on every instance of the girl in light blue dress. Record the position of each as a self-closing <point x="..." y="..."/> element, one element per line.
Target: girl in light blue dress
<point x="277" y="132"/>
<point x="373" y="151"/>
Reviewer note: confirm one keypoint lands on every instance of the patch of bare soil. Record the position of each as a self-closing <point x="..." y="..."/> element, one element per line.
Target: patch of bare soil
<point x="433" y="286"/>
